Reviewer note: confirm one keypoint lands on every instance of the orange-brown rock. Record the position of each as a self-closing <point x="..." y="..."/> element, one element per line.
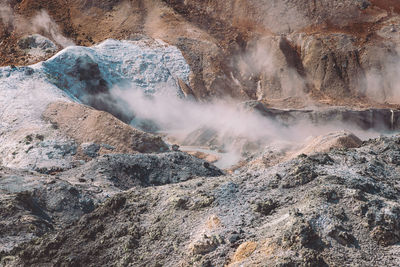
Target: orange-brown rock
<point x="87" y="125"/>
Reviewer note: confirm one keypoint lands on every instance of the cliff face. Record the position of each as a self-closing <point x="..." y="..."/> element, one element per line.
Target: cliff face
<point x="267" y="50"/>
<point x="331" y="48"/>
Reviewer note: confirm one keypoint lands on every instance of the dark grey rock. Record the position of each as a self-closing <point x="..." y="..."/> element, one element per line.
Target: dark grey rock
<point x="125" y="171"/>
<point x="90" y="149"/>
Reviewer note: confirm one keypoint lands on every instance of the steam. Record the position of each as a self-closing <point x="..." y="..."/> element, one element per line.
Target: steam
<point x="221" y="124"/>
<point x="266" y="62"/>
<point x="226" y="125"/>
<point x="173" y="114"/>
<point x="6" y="15"/>
<point x="41" y="23"/>
<point x="383" y="81"/>
<point x="271" y="63"/>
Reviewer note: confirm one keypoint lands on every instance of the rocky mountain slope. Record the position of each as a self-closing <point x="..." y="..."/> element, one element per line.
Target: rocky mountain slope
<point x="336" y="52"/>
<point x="199" y="133"/>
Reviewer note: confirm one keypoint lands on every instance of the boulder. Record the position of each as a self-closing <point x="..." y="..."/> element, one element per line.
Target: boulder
<point x="37" y="45"/>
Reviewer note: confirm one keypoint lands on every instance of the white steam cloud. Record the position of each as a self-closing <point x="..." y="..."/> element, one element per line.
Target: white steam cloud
<point x="383" y="79"/>
<point x="265" y="61"/>
<point x="6" y="15"/>
<point x="41" y="23"/>
<point x="226" y="125"/>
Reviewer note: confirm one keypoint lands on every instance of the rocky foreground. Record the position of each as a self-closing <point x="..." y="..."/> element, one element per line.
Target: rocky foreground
<point x="336" y="208"/>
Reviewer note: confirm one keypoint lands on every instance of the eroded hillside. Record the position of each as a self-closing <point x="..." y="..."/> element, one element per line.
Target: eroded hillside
<point x="336" y="52"/>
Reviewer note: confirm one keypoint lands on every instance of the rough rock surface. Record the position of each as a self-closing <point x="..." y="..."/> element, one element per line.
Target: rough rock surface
<point x="37" y="45"/>
<point x="328" y="209"/>
<point x="366" y="119"/>
<point x="125" y="171"/>
<point x="33" y="203"/>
